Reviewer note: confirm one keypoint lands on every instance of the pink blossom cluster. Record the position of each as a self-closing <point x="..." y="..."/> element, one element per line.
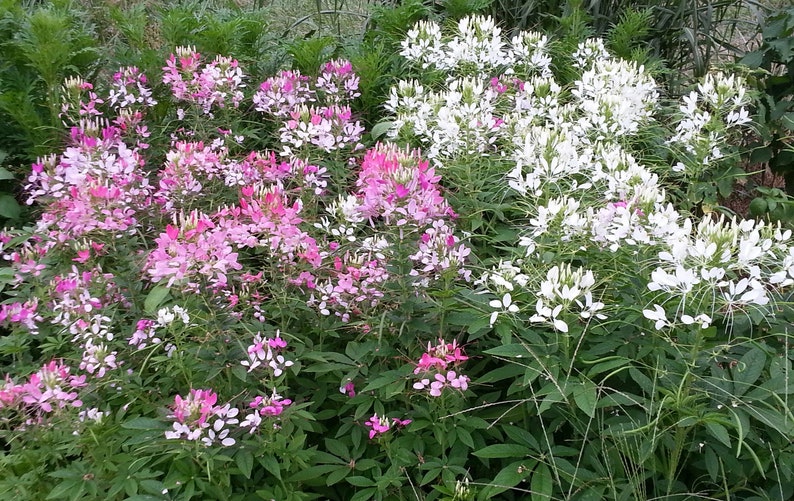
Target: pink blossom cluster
<point x="195" y="249"/>
<point x="21" y="313"/>
<point x="78" y="101"/>
<point x="129" y="89"/>
<point x="349" y="389"/>
<point x="379" y="425"/>
<point x="267" y="217"/>
<point x="399" y="187"/>
<point x="51" y="388"/>
<point x="187" y="164"/>
<point x="328" y="128"/>
<point x="264" y="407"/>
<point x="98" y="358"/>
<point x="217" y="84"/>
<point x="197" y="418"/>
<point x="128" y="96"/>
<point x="27" y="257"/>
<point x="394" y="188"/>
<point x="354" y="285"/>
<point x="267" y="352"/>
<point x="146" y="330"/>
<point x="77" y="302"/>
<point x="77" y="299"/>
<point x="95" y="185"/>
<point x="283" y="93"/>
<point x="314" y="113"/>
<point x="337" y="81"/>
<point x="435" y="364"/>
<point x="440" y="250"/>
<point x="259" y="167"/>
<point x="9" y="392"/>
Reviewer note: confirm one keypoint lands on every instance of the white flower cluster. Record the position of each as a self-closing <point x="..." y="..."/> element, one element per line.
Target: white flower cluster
<point x="584" y="190"/>
<point x="722" y="267"/>
<point x="505" y="93"/>
<point x="485" y="84"/>
<point x="459" y="121"/>
<point x="566" y="290"/>
<point x="707" y="115"/>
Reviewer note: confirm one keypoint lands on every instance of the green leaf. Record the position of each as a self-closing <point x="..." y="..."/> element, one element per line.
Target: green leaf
<point x="712" y="463"/>
<point x="144" y="423"/>
<point x="385" y="379"/>
<point x="154" y="299"/>
<point x="586" y="397"/>
<point x="152" y="486"/>
<point x="240" y="372"/>
<point x="465" y="437"/>
<point x="758" y="206"/>
<point x="510" y="476"/>
<point x="314" y="472"/>
<point x="271" y="464"/>
<point x="748" y="370"/>
<point x="719" y="432"/>
<point x="509" y="371"/>
<point x="776" y="420"/>
<point x="359" y="481"/>
<point x="337" y="448"/>
<point x="245" y="462"/>
<point x="541" y="483"/>
<point x="607" y="364"/>
<point x="363" y="495"/>
<point x="644" y="381"/>
<point x="381" y="128"/>
<point x="519" y="435"/>
<point x="787" y="121"/>
<point x="5" y="174"/>
<point x="65" y="487"/>
<point x="753" y="59"/>
<point x="509" y="350"/>
<point x="9" y="207"/>
<point x="337" y="476"/>
<point x="503" y="451"/>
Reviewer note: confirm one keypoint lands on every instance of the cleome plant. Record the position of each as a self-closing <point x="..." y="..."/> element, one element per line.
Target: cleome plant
<point x="514" y="294"/>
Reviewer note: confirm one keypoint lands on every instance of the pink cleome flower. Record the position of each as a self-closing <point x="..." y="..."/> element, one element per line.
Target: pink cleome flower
<point x="380" y="425"/>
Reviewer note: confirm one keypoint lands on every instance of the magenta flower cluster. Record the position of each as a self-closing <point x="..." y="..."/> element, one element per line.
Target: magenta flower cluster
<point x="197" y="417"/>
<point x="379" y="425"/>
<point x="51" y="388"/>
<point x="434" y="368"/>
<point x="266" y="352"/>
<point x="95" y="185"/>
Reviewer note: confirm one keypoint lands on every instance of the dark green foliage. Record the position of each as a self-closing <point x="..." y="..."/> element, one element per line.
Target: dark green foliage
<point x="41" y="47"/>
<point x="686" y="34"/>
<point x="775" y="114"/>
